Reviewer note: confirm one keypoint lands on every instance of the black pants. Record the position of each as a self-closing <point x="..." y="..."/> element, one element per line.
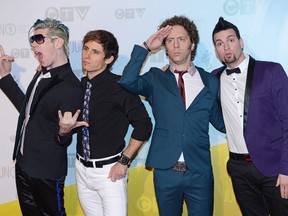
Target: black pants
<point x="256" y="194"/>
<point x="40" y="196"/>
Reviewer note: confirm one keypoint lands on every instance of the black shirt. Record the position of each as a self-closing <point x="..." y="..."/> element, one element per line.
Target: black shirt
<point x="111" y="111"/>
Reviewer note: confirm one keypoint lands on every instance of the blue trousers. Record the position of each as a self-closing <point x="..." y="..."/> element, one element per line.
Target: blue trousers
<point x="172" y="188"/>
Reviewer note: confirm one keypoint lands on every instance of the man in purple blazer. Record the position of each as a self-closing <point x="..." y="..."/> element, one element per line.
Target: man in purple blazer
<point x="254" y="100"/>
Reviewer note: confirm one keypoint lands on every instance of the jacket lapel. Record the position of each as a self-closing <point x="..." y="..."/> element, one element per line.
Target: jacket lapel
<point x="247" y="96"/>
<point x="171" y="85"/>
<point x="45" y="84"/>
<point x="22" y="115"/>
<point x="27" y="96"/>
<point x="29" y="90"/>
<point x="218" y="74"/>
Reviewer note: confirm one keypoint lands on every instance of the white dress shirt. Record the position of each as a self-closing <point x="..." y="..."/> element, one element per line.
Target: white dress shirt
<point x="232" y="102"/>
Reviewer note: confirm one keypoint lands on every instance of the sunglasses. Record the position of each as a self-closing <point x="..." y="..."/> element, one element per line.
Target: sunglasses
<point x="39" y="38"/>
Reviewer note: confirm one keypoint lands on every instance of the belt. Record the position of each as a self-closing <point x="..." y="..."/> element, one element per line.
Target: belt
<point x="241" y="157"/>
<point x="180" y="167"/>
<point x="97" y="164"/>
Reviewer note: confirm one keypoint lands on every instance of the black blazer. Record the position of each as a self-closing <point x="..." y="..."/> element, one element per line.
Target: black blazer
<point x="43" y="155"/>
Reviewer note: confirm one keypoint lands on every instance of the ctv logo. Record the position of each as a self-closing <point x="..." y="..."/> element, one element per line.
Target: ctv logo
<point x="67" y="14"/>
<point x="232" y="7"/>
<point x="129" y="13"/>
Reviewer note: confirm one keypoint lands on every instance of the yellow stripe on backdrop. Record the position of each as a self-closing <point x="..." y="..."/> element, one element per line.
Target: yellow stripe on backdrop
<point x="141" y="197"/>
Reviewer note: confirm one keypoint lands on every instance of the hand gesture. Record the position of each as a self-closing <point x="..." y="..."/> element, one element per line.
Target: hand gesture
<point x="156" y="39"/>
<point x="67" y="122"/>
<point x="5" y="63"/>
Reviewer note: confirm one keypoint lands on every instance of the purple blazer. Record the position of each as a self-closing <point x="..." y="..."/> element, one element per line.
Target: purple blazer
<point x="266" y="116"/>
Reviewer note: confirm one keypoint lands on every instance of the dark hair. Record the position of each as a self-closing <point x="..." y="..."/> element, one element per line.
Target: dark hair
<point x="188" y="25"/>
<point x="224" y="25"/>
<point x="108" y="42"/>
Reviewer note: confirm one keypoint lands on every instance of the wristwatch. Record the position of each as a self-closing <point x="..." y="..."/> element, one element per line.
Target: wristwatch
<point x="124" y="160"/>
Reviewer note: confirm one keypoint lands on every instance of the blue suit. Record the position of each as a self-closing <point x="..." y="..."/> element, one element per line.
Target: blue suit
<point x="177" y="130"/>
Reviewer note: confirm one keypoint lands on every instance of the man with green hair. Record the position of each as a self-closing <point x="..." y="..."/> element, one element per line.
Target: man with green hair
<point x="40" y="154"/>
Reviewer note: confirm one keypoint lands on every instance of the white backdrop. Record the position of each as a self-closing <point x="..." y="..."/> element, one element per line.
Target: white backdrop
<point x="263" y="25"/>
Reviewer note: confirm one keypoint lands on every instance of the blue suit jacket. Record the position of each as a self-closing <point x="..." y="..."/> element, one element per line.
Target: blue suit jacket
<point x="176" y="129"/>
<point x="266" y="116"/>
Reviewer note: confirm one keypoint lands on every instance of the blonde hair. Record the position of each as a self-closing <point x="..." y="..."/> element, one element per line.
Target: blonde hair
<point x="55" y="28"/>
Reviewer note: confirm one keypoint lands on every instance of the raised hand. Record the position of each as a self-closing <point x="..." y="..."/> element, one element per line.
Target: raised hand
<point x="5" y="63"/>
<point x="156" y="39"/>
<point x="68" y="122"/>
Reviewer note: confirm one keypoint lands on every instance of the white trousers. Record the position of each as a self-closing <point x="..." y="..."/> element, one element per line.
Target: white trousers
<point x="98" y="195"/>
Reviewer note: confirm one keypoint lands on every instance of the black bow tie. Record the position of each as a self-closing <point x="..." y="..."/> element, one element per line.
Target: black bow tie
<point x="234" y="70"/>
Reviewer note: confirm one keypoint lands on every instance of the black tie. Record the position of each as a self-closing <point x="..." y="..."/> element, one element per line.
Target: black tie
<point x="234" y="70"/>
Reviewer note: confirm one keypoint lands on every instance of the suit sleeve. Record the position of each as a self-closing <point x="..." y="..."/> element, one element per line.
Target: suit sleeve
<point x="216" y="116"/>
<point x="131" y="80"/>
<point x="12" y="91"/>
